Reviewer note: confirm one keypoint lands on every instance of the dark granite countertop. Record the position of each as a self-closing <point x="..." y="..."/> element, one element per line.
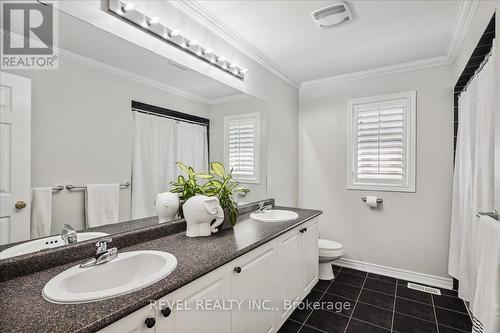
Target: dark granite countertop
<point x="23" y="308"/>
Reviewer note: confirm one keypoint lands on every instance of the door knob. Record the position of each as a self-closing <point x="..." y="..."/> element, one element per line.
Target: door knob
<point x="150" y="322"/>
<point x="20" y="204"/>
<point x="166" y="312"/>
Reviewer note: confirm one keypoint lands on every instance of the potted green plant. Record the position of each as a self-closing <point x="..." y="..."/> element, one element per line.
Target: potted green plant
<point x="223" y="186"/>
<point x="187" y="187"/>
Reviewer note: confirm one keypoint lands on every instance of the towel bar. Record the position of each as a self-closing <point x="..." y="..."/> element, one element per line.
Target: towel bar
<point x="58" y="188"/>
<point x="493" y="214"/>
<point x="82" y="187"/>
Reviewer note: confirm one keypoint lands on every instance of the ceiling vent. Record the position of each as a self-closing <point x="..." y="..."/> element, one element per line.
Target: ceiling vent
<point x="332" y="15"/>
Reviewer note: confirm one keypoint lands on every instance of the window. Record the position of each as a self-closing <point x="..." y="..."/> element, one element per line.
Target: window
<point x="241" y="146"/>
<point x="381" y="149"/>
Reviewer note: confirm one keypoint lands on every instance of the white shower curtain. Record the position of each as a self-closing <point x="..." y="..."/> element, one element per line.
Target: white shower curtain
<point x="473" y="181"/>
<point x="159" y="142"/>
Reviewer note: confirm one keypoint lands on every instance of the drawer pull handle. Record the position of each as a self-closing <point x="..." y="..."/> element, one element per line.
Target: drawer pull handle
<point x="150" y="322"/>
<point x="166" y="312"/>
<point x="237" y="269"/>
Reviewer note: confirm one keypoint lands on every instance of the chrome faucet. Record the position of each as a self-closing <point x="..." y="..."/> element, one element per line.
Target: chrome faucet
<point x="69" y="235"/>
<point x="103" y="254"/>
<point x="263" y="207"/>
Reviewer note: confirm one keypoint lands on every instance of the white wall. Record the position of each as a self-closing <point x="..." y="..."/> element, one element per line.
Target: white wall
<point x="217" y="114"/>
<point x="281" y="97"/>
<point x="411" y="231"/>
<point x="82" y="132"/>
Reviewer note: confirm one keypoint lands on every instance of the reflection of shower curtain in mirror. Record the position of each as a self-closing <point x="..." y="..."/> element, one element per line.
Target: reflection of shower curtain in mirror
<point x="159" y="142"/>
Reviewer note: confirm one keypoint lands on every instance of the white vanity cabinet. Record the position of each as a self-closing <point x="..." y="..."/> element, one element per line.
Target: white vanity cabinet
<point x="298" y="263"/>
<point x="198" y="306"/>
<point x="309" y="256"/>
<point x="140" y="321"/>
<point x="256" y="283"/>
<point x="238" y="296"/>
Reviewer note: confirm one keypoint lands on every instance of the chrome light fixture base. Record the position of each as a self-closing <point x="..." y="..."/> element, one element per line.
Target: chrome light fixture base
<point x="152" y="25"/>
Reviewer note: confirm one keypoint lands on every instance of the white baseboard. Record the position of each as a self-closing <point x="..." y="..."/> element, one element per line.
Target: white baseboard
<point x="431" y="280"/>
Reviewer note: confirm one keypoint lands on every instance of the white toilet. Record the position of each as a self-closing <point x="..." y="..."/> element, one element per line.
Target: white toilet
<point x="329" y="251"/>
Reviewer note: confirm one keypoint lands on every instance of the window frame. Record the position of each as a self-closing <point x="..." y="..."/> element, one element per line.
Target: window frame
<point x="255" y="116"/>
<point x="409" y="175"/>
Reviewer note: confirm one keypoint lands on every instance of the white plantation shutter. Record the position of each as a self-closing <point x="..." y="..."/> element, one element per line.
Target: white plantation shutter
<point x="382" y="143"/>
<point x="241" y="137"/>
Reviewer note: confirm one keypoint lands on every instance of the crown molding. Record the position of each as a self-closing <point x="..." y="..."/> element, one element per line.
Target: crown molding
<point x="376" y="72"/>
<point x="466" y="12"/>
<point x="228" y="99"/>
<point x="100" y="66"/>
<point x="103" y="67"/>
<point x="464" y="18"/>
<point x="199" y="13"/>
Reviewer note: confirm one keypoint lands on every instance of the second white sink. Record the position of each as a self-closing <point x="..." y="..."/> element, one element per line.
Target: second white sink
<point x="274" y="215"/>
<point x="45" y="243"/>
<point x="129" y="272"/>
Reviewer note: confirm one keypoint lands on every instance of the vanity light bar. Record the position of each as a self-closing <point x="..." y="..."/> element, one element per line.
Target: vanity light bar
<point x="127" y="12"/>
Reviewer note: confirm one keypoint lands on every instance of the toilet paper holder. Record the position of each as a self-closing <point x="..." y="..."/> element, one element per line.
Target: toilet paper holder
<point x="379" y="200"/>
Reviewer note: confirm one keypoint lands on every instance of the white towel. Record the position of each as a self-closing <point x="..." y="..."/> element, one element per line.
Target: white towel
<point x="102" y="204"/>
<point x="486" y="305"/>
<point x="41" y="211"/>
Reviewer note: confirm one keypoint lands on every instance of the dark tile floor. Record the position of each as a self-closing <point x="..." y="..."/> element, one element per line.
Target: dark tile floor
<point x="378" y="304"/>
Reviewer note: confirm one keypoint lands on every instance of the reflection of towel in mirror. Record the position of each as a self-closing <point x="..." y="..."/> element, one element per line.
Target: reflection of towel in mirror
<point x="486" y="306"/>
<point x="41" y="211"/>
<point x="102" y="204"/>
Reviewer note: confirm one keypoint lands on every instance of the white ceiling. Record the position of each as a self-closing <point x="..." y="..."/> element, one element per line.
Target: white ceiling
<point x="383" y="33"/>
<point x="91" y="42"/>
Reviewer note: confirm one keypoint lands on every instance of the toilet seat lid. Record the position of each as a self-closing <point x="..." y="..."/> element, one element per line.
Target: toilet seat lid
<point x="326" y="244"/>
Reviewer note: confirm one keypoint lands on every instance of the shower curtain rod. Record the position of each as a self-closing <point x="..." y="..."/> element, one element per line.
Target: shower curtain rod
<point x="169" y="117"/>
<point x="479" y="69"/>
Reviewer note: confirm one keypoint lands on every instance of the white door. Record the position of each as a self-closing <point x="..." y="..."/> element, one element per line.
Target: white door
<point x="198" y="307"/>
<point x="289" y="261"/>
<point x="15" y="157"/>
<point x="256" y="282"/>
<point x="310" y="259"/>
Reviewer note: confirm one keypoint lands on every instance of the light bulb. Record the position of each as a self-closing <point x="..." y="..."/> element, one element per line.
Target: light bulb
<point x="126" y="7"/>
<point x="208" y="51"/>
<point x="154" y="20"/>
<point x="174" y="33"/>
<point x="244" y="70"/>
<point x="233" y="65"/>
<point x="221" y="59"/>
<point x="193" y="42"/>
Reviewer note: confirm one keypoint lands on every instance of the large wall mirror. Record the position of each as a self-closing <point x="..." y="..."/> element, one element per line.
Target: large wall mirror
<point x="113" y="113"/>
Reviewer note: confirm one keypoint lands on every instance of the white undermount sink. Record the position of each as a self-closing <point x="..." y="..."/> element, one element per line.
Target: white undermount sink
<point x="274" y="215"/>
<point x="129" y="272"/>
<point x="45" y="243"/>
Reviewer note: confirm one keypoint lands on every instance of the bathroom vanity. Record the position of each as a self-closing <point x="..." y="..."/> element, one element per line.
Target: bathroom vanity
<point x="265" y="263"/>
<point x="283" y="269"/>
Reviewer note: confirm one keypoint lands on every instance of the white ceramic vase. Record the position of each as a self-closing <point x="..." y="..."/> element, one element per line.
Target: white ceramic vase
<point x="167" y="206"/>
<point x="199" y="211"/>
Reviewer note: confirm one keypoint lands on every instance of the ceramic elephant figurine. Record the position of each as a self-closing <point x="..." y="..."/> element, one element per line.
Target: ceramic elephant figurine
<point x="167" y="206"/>
<point x="199" y="212"/>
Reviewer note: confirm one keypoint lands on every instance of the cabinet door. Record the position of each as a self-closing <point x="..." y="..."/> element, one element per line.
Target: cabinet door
<point x="310" y="259"/>
<point x="255" y="284"/>
<point x="200" y="306"/>
<point x="290" y="278"/>
<point x="134" y="322"/>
